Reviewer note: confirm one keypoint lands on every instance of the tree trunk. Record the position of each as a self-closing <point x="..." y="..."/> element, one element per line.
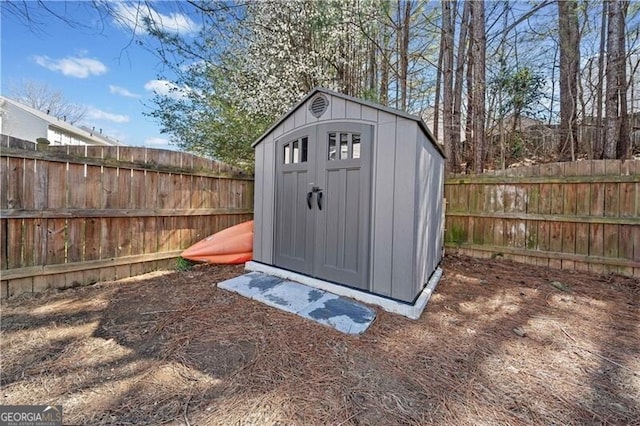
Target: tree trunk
<point x="384" y="75"/>
<point x="436" y="102"/>
<point x="457" y="93"/>
<point x="405" y="23"/>
<point x="600" y="131"/>
<point x="448" y="12"/>
<point x="616" y="81"/>
<point x="479" y="65"/>
<point x="569" y="65"/>
<point x="623" y="132"/>
<point x="468" y="129"/>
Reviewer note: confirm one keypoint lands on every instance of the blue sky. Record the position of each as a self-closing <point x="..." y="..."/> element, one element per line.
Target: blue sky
<point x="96" y="64"/>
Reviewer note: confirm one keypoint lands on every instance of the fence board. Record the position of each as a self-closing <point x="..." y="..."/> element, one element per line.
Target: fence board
<point x="93" y="230"/>
<point x="94" y="198"/>
<point x="627" y="200"/>
<point x="15" y="237"/>
<point x="77" y="186"/>
<point x="582" y="238"/>
<point x="40" y="184"/>
<point x="14" y="193"/>
<point x="165" y="190"/>
<point x="75" y="229"/>
<point x="150" y="189"/>
<point x="597" y="199"/>
<point x="138" y="189"/>
<point x="568" y="243"/>
<point x="56" y="229"/>
<point x="197" y="192"/>
<point x="163" y="234"/>
<point x="611" y="199"/>
<point x="4" y="225"/>
<point x="183" y="185"/>
<point x="39" y="227"/>
<point x="151" y="228"/>
<point x="137" y="235"/>
<point x="555" y="243"/>
<point x="625" y="246"/>
<point x="4" y="181"/>
<point x="110" y="188"/>
<point x="123" y="196"/>
<point x="109" y="238"/>
<point x="57" y="185"/>
<point x="583" y="199"/>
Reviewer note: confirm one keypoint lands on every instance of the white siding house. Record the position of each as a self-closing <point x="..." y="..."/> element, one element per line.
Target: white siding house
<point x="26" y="123"/>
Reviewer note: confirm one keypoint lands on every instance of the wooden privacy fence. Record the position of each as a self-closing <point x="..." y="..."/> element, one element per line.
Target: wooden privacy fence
<point x="73" y="215"/>
<point x="583" y="215"/>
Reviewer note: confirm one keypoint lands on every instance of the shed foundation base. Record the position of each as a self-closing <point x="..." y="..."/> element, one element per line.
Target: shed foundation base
<point x="412" y="311"/>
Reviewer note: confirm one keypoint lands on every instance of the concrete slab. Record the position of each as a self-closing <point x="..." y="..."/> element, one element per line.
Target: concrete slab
<point x="343" y="314"/>
<point x="291" y="297"/>
<point x="413" y="311"/>
<point x="252" y="284"/>
<point x="340" y="313"/>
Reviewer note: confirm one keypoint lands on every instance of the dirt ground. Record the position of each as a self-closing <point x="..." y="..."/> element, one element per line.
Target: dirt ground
<point x="499" y="343"/>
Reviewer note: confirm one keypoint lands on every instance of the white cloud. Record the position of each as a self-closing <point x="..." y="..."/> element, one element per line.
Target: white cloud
<point x="166" y="88"/>
<point x="156" y="142"/>
<point x="133" y="17"/>
<point x="72" y="66"/>
<point x="97" y="114"/>
<point x="117" y="90"/>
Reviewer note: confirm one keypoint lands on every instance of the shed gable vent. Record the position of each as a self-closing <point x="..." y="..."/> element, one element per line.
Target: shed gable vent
<point x="318" y="106"/>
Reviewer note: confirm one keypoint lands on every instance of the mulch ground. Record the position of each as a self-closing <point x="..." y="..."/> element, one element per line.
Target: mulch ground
<point x="499" y="343"/>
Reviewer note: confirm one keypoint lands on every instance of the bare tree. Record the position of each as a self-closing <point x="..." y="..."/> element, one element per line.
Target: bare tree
<point x="478" y="58"/>
<point x="436" y="102"/>
<point x="404" y="16"/>
<point x="623" y="131"/>
<point x="457" y="89"/>
<point x="599" y="138"/>
<point x="43" y="98"/>
<point x="569" y="66"/>
<point x="616" y="137"/>
<point x="448" y="29"/>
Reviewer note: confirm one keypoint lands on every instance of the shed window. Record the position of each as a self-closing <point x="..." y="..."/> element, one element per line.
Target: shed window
<point x="343" y="146"/>
<point x="303" y="156"/>
<point x="355" y="145"/>
<point x="332" y="146"/>
<point x="287" y="154"/>
<point x="296" y="151"/>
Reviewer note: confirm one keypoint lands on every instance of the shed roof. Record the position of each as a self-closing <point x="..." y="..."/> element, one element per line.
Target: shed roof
<point x="389" y="110"/>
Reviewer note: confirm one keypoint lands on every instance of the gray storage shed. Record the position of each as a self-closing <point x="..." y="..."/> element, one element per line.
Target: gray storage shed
<point x="350" y="192"/>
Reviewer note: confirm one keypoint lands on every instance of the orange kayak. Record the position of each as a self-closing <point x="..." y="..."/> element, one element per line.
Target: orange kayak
<point x="230" y="246"/>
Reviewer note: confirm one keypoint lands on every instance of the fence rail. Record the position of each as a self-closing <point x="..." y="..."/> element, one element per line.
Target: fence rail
<point x="583" y="215"/>
<point x="72" y="215"/>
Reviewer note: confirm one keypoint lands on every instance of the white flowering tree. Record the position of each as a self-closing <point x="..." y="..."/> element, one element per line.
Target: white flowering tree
<point x="290" y="47"/>
<point x="251" y="62"/>
<point x="374" y="49"/>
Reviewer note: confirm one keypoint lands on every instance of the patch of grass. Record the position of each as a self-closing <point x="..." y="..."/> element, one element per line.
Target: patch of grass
<point x="183" y="264"/>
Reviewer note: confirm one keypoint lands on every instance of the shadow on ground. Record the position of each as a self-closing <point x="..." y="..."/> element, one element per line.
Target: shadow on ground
<point x="498" y="344"/>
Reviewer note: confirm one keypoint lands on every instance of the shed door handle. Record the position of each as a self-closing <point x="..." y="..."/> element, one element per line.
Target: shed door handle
<point x="319" y="200"/>
<point x="309" y="196"/>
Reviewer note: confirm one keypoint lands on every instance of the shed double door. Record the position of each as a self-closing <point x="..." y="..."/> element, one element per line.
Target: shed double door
<point x="322" y="202"/>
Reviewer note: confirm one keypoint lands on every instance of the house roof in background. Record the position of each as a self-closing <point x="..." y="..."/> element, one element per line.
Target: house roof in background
<point x="61" y="124"/>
